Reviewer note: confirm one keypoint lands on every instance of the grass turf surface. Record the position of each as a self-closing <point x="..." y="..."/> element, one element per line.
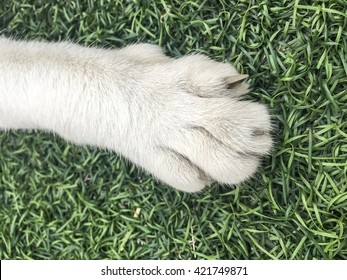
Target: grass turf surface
<point x="59" y="201"/>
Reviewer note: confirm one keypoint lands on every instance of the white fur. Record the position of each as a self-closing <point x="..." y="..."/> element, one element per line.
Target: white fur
<point x="176" y="118"/>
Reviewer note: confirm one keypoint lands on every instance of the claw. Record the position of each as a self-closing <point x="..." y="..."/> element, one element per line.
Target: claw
<point x="235" y="80"/>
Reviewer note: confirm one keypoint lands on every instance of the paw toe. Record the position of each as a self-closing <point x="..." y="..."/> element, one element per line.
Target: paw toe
<point x="208" y="78"/>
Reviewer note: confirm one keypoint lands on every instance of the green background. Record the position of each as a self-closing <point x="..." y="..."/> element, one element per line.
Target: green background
<point x="60" y="201"/>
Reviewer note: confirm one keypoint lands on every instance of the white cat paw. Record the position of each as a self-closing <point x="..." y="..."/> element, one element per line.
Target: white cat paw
<point x="206" y="133"/>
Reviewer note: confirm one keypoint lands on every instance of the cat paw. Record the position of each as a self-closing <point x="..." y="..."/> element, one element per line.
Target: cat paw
<point x="206" y="133"/>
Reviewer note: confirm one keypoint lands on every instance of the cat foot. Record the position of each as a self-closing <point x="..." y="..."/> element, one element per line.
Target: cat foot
<point x="206" y="131"/>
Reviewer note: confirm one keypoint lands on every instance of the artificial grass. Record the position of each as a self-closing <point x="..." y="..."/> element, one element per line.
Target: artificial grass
<point x="59" y="201"/>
